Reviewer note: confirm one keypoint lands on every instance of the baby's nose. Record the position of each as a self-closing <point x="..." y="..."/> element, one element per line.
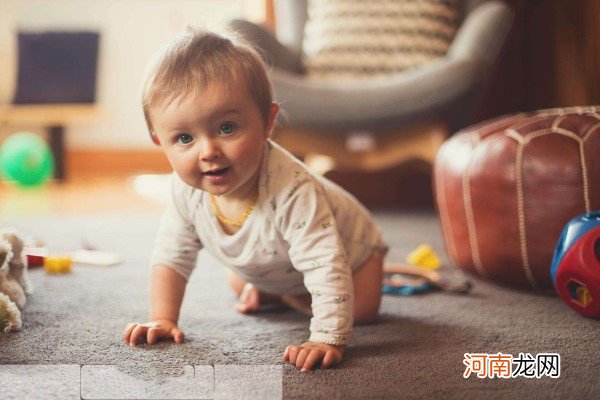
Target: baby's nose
<point x="209" y="150"/>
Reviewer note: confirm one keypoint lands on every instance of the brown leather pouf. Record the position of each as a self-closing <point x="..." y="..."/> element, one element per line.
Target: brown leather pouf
<point x="505" y="189"/>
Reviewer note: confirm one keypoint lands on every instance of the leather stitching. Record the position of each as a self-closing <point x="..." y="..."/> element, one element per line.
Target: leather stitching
<point x="591" y="130"/>
<point x="446" y="221"/>
<point x="521" y="215"/>
<point x="511" y="133"/>
<point x="470" y="220"/>
<point x="584" y="174"/>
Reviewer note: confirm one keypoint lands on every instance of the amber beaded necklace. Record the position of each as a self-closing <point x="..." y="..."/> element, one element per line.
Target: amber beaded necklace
<point x="240" y="221"/>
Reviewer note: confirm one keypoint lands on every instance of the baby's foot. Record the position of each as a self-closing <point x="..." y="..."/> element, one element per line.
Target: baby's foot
<point x="249" y="300"/>
<point x="252" y="300"/>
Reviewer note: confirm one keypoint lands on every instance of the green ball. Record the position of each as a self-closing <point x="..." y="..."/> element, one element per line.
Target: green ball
<point x="26" y="159"/>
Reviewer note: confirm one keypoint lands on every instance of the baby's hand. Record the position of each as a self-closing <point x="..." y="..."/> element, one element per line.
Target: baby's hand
<point x="306" y="355"/>
<point x="152" y="332"/>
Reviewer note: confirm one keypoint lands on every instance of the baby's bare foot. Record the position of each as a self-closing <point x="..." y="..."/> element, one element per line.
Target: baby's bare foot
<point x="252" y="300"/>
<point x="249" y="300"/>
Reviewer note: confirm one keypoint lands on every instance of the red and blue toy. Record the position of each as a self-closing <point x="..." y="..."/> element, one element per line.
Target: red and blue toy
<point x="576" y="264"/>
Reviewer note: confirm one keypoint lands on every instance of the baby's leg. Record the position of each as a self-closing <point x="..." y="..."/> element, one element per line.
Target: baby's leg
<point x="367" y="289"/>
<point x="367" y="292"/>
<point x="250" y="298"/>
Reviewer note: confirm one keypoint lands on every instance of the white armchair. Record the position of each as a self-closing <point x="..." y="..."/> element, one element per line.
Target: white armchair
<point x="405" y="116"/>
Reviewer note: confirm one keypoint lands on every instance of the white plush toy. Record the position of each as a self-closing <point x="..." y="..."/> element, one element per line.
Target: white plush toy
<point x="14" y="284"/>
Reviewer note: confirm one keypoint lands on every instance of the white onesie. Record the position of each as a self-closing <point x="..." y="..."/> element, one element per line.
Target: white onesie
<point x="305" y="234"/>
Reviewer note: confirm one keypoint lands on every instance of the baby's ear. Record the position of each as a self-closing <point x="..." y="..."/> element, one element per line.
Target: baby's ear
<point x="274" y="111"/>
<point x="272" y="117"/>
<point x="155" y="138"/>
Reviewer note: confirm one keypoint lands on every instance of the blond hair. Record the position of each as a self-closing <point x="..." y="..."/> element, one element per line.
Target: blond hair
<point x="199" y="58"/>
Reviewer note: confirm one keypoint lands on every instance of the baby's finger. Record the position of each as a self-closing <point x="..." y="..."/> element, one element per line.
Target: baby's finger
<point x="312" y="359"/>
<point x="294" y="350"/>
<point x="286" y="354"/>
<point x="128" y="331"/>
<point x="328" y="359"/>
<point x="178" y="335"/>
<point x="137" y="334"/>
<point x="301" y="357"/>
<point x="153" y="335"/>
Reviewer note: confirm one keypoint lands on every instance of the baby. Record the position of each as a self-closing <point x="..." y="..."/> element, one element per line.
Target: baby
<point x="287" y="235"/>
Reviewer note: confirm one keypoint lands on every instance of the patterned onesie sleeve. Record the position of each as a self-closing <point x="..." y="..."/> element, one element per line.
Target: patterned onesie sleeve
<point x="177" y="243"/>
<point x="307" y="224"/>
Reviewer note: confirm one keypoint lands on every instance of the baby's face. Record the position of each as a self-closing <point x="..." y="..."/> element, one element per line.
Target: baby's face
<point x="217" y="130"/>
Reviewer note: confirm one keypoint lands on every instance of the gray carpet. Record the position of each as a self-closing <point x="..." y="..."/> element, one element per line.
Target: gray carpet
<point x="415" y="350"/>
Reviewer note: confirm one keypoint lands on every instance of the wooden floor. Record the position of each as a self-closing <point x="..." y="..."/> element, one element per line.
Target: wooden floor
<point x="79" y="195"/>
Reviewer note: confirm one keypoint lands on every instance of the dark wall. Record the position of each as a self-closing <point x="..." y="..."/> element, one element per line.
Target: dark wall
<point x="552" y="58"/>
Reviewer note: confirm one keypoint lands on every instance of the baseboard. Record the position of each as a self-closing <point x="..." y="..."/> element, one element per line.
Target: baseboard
<point x="109" y="163"/>
<point x="405" y="186"/>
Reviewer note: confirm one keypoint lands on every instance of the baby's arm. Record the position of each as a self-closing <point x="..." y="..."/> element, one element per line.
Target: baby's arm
<point x="166" y="294"/>
<point x="308" y="225"/>
<point x="173" y="259"/>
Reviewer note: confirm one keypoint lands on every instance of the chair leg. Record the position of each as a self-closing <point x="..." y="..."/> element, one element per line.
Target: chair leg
<point x="324" y="152"/>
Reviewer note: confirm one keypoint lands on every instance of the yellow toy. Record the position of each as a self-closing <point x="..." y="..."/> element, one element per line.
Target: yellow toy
<point x="424" y="257"/>
<point x="56" y="264"/>
<point x="420" y="274"/>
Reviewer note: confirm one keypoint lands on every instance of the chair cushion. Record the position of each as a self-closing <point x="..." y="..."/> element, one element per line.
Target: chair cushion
<point x="505" y="189"/>
<point x="356" y="39"/>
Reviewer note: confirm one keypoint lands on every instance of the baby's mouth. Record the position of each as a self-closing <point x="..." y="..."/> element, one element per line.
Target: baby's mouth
<point x="217" y="172"/>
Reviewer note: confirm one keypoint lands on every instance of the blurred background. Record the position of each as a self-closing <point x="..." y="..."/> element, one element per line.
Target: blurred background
<point x="550" y="57"/>
<point x="105" y="142"/>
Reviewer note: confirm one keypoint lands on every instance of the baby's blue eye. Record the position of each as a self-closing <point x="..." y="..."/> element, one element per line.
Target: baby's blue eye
<point x="227" y="128"/>
<point x="184" y="138"/>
